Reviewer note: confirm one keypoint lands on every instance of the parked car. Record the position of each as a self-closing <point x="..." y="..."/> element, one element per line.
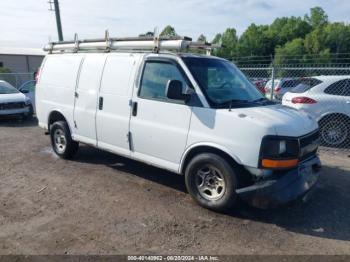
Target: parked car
<point x="260" y="85"/>
<point x="13" y="102"/>
<point x="191" y="114"/>
<point x="327" y="99"/>
<point x="28" y="89"/>
<point x="281" y="86"/>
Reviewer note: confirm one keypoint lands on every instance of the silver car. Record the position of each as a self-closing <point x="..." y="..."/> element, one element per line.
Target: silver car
<point x="281" y="86"/>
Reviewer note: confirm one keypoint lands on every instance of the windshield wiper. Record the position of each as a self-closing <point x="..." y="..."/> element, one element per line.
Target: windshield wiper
<point x="234" y="101"/>
<point x="263" y="100"/>
<point x="260" y="99"/>
<point x="243" y="102"/>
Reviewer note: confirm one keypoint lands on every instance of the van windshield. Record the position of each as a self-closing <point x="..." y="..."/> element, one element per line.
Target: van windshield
<point x="6" y="88"/>
<point x="222" y="83"/>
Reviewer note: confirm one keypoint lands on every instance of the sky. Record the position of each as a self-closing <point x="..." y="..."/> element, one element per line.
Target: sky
<point x="29" y="23"/>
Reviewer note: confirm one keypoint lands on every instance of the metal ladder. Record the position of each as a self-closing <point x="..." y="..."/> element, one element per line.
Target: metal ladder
<point x="141" y="43"/>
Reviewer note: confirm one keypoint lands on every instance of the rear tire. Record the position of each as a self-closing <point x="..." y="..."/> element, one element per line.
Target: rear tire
<point x="211" y="181"/>
<point x="61" y="140"/>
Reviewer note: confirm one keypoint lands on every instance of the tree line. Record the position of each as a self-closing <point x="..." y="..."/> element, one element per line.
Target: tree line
<point x="287" y="40"/>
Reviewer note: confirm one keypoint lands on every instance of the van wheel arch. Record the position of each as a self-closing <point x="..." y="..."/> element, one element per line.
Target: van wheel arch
<point x="54" y="117"/>
<point x="242" y="175"/>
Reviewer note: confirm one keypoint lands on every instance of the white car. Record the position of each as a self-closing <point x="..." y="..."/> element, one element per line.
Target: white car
<point x="327" y="99"/>
<point x="13" y="102"/>
<point x="191" y="114"/>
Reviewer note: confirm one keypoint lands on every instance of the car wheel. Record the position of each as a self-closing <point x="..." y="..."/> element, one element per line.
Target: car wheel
<point x="211" y="181"/>
<point x="335" y="131"/>
<point x="61" y="140"/>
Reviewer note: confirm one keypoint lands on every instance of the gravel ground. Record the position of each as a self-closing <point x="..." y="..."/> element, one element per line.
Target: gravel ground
<point x="100" y="203"/>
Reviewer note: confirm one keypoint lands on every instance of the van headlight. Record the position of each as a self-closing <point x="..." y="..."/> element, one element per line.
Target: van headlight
<point x="279" y="152"/>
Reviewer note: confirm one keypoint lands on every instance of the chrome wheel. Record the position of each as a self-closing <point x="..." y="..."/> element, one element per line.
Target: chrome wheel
<point x="210" y="183"/>
<point x="334" y="133"/>
<point x="60" y="141"/>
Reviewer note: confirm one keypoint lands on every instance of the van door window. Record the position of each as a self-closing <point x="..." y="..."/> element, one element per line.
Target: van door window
<point x="155" y="78"/>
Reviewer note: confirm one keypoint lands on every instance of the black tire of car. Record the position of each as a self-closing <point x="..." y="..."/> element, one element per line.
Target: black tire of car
<point x="229" y="198"/>
<point x="71" y="147"/>
<point x="341" y="120"/>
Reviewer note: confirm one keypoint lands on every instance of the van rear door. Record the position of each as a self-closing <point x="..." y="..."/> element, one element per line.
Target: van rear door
<point x="56" y="87"/>
<point x="86" y="98"/>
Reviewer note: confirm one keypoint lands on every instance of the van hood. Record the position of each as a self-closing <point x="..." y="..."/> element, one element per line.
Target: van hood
<point x="285" y="121"/>
<point x="8" y="98"/>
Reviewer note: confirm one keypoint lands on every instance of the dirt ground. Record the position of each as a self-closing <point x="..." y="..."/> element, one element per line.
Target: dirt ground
<point x="100" y="203"/>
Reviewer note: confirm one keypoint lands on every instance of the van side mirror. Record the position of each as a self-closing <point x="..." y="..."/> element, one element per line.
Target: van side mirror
<point x="24" y="91"/>
<point x="174" y="90"/>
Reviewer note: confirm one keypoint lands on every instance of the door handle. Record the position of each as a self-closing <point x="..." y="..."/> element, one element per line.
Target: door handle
<point x="134" y="108"/>
<point x="100" y="103"/>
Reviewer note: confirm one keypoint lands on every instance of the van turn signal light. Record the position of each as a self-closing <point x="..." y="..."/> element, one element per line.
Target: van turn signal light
<point x="268" y="163"/>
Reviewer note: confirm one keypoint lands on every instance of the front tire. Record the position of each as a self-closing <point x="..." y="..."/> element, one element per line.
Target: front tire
<point x="211" y="181"/>
<point x="61" y="140"/>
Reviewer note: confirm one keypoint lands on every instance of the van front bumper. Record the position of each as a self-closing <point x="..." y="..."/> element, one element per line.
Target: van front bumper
<point x="282" y="188"/>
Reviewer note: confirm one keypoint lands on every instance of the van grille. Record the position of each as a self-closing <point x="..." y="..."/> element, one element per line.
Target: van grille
<point x="309" y="145"/>
<point x="12" y="105"/>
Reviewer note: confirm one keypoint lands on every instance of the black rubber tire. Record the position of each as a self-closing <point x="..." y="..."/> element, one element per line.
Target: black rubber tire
<point x="71" y="146"/>
<point x="229" y="198"/>
<point x="341" y="120"/>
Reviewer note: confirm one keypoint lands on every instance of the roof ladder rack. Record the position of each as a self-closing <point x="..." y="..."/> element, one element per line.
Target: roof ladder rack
<point x="142" y="43"/>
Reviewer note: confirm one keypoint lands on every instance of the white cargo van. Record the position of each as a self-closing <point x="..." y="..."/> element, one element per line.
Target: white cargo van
<point x="195" y="115"/>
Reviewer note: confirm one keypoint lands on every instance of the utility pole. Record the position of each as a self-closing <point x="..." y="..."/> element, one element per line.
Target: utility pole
<point x="56" y="8"/>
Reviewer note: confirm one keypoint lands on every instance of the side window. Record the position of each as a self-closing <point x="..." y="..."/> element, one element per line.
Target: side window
<point x="290" y="83"/>
<point x="155" y="77"/>
<point x="338" y="88"/>
<point x="28" y="87"/>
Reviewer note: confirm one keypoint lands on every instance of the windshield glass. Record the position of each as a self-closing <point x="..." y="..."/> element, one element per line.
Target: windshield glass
<point x="221" y="82"/>
<point x="6" y="88"/>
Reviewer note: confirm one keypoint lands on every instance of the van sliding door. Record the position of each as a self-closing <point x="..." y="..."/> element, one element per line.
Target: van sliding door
<point x="113" y="113"/>
<point x="86" y="98"/>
